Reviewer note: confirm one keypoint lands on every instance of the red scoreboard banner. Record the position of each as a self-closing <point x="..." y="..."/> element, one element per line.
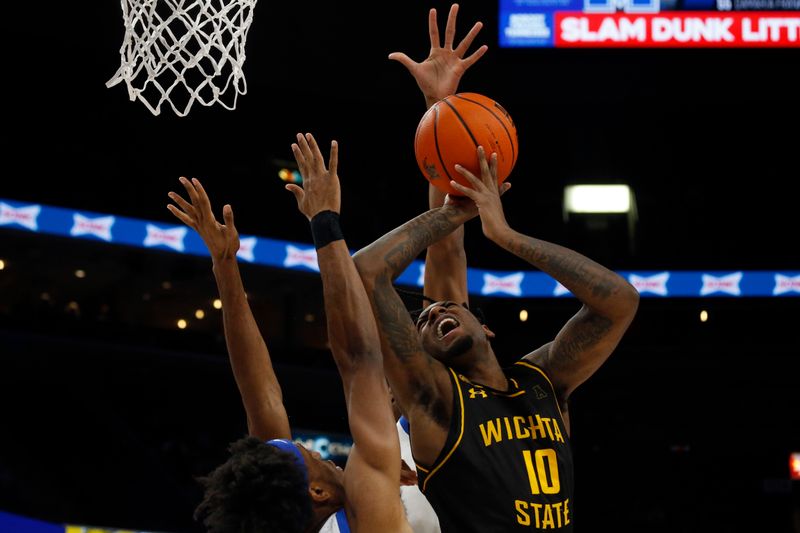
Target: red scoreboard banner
<point x="677" y="29"/>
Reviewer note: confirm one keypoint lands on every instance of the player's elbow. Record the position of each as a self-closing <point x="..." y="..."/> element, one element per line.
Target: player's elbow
<point x="626" y="303"/>
<point x="630" y="296"/>
<point x="368" y="269"/>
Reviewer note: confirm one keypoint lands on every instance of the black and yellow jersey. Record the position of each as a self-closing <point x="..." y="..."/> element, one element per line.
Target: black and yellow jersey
<point x="506" y="464"/>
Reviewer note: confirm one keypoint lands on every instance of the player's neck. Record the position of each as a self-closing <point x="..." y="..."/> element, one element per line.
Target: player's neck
<point x="321" y="515"/>
<point x="488" y="372"/>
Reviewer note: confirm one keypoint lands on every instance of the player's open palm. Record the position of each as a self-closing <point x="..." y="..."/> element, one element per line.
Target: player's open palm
<point x="485" y="192"/>
<point x="320" y="190"/>
<point x="222" y="240"/>
<point x="439" y="74"/>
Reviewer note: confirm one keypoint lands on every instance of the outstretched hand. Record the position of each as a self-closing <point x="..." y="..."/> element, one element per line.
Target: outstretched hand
<point x="485" y="193"/>
<point x="438" y="75"/>
<point x="222" y="240"/>
<point x="320" y="190"/>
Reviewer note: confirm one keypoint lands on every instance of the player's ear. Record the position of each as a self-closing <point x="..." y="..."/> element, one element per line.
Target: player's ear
<point x="489" y="333"/>
<point x="319" y="492"/>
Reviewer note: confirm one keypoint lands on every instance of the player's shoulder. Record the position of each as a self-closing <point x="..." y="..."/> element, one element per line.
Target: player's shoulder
<point x="526" y="372"/>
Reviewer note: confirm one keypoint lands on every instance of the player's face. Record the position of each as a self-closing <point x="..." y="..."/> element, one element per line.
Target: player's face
<point x="447" y="330"/>
<point x="320" y="469"/>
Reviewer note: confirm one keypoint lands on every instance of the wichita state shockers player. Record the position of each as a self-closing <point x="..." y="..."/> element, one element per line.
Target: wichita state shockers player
<point x="491" y="444"/>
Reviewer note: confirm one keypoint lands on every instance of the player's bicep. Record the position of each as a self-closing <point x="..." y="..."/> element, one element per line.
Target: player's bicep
<point x="374" y="494"/>
<point x="580" y="348"/>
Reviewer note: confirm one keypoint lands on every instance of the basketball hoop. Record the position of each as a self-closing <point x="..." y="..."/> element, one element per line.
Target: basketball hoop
<point x="182" y="51"/>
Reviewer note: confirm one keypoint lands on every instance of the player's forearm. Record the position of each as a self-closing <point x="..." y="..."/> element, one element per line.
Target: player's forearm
<point x="352" y="332"/>
<point x="249" y="357"/>
<point x="391" y="254"/>
<point x="596" y="286"/>
<point x="445" y="275"/>
<point x="446" y="269"/>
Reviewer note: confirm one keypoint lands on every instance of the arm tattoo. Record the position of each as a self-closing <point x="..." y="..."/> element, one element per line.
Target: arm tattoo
<point x="563" y="264"/>
<point x="394" y="322"/>
<point x="590" y="331"/>
<point x="419" y="233"/>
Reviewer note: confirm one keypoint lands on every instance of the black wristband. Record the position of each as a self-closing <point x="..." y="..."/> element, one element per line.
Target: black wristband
<point x="325" y="228"/>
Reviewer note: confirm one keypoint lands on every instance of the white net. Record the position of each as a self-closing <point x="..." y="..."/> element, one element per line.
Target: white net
<point x="184" y="51"/>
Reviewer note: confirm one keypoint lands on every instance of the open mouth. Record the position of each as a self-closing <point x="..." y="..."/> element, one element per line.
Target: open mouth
<point x="445" y="326"/>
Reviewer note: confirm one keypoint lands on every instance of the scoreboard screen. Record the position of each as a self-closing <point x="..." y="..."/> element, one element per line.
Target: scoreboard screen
<point x="649" y="23"/>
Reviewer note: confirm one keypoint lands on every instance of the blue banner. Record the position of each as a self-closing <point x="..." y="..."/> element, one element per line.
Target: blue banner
<point x="113" y="229"/>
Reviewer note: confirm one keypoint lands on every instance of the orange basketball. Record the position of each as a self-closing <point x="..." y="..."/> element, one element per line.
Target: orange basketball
<point x="451" y="131"/>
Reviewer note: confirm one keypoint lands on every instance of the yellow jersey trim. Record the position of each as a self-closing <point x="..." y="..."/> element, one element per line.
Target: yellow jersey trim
<point x="539" y="370"/>
<point x="460" y="433"/>
<point x="506" y="395"/>
<point x="421" y="467"/>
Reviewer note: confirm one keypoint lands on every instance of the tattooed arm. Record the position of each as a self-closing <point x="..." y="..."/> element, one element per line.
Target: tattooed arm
<point x="609" y="302"/>
<point x="420" y="383"/>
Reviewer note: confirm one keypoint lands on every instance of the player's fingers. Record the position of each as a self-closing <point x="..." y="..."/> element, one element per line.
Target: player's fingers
<point x="433" y="29"/>
<point x="403" y="59"/>
<point x="450" y="28"/>
<point x="472" y="178"/>
<point x="300" y="159"/>
<point x="503" y="188"/>
<point x="466" y="191"/>
<point x="475" y="56"/>
<point x="227" y="216"/>
<point x="205" y="203"/>
<point x="465" y="43"/>
<point x="298" y="192"/>
<point x="493" y="167"/>
<point x="486" y="172"/>
<point x="304" y="148"/>
<point x="190" y="190"/>
<point x="183" y="217"/>
<point x="333" y="162"/>
<point x="183" y="204"/>
<point x="316" y="155"/>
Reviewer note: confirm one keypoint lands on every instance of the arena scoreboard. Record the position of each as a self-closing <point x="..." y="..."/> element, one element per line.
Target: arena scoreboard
<point x="649" y="23"/>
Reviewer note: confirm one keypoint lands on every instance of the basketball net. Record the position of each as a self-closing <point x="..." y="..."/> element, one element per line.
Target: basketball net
<point x="182" y="51"/>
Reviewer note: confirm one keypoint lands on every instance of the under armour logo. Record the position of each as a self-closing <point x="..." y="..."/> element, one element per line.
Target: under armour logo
<point x="539" y="392"/>
<point x="474" y="393"/>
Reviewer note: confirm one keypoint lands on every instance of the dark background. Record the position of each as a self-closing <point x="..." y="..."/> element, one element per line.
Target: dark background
<point x="109" y="411"/>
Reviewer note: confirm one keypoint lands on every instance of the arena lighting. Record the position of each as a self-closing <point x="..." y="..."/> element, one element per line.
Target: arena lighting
<point x="794" y="465"/>
<point x="607" y="211"/>
<point x="290" y="176"/>
<point x="597" y="199"/>
<point x="2" y="264"/>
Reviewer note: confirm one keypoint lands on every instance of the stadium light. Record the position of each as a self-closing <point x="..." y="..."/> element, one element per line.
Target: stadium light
<point x="599" y="212"/>
<point x="597" y="199"/>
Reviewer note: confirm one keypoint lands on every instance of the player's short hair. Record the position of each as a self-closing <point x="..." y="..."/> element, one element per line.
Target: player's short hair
<point x="260" y="488"/>
<point x="427" y="300"/>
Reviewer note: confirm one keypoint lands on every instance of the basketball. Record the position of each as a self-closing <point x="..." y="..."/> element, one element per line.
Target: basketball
<point x="451" y="131"/>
